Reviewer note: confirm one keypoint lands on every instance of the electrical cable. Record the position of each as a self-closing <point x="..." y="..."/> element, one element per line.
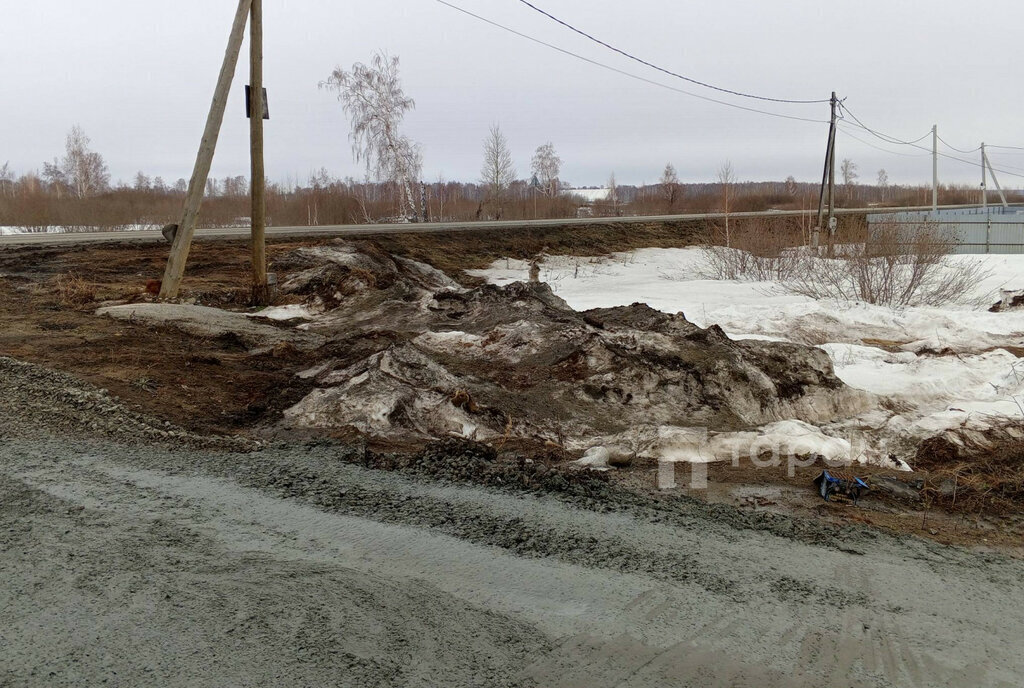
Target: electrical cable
<point x="662" y="69"/>
<point x="885" y="137"/>
<point x="915" y="144"/>
<point x="958" y="150"/>
<point x="629" y="74"/>
<point x="884" y="150"/>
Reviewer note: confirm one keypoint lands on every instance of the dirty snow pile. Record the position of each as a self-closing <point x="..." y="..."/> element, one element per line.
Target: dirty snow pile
<point x="937" y="370"/>
<point x="409" y="354"/>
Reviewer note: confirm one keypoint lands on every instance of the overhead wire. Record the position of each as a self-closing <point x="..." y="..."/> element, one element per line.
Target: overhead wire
<point x="958" y="150"/>
<point x="856" y="122"/>
<point x="884" y="137"/>
<point x="662" y="69"/>
<point x="628" y="74"/>
<point x="884" y="150"/>
<point x="915" y="144"/>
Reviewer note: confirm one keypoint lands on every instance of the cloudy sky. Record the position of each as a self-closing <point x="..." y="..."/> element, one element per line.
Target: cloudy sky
<point x="138" y="75"/>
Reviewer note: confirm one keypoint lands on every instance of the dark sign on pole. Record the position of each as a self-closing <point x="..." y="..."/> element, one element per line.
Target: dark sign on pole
<point x="248" y="103"/>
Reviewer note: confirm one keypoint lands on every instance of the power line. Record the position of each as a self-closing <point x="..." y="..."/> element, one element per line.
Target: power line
<point x="884" y="150"/>
<point x="884" y="137"/>
<point x="629" y="74"/>
<point x="958" y="150"/>
<point x="662" y="69"/>
<point x="915" y="144"/>
<point x="992" y="145"/>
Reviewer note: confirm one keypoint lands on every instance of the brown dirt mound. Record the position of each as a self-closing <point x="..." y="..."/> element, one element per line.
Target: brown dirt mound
<point x="516" y="361"/>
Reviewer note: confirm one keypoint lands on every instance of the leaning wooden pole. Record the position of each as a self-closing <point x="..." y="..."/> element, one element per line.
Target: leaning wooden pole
<point x="175" y="269"/>
<point x="257" y="185"/>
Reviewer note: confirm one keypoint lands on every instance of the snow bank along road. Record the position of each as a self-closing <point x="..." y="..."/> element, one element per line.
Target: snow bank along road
<point x="156" y="566"/>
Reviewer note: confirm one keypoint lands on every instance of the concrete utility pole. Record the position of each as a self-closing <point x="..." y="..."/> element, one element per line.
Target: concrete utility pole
<point x="935" y="169"/>
<point x="257" y="186"/>
<point x="995" y="180"/>
<point x="197" y="185"/>
<point x="984" y="181"/>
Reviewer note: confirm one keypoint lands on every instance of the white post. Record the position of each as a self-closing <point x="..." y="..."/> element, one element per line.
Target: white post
<point x="935" y="169"/>
<point x="984" y="180"/>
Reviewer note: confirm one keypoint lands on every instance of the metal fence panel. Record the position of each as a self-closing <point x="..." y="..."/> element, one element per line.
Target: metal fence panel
<point x="976" y="230"/>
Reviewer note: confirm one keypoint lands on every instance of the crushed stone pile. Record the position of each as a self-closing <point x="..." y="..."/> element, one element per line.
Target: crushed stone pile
<point x="409" y="353"/>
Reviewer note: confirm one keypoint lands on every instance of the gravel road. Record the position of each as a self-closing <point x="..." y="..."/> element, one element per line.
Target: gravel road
<point x="156" y="564"/>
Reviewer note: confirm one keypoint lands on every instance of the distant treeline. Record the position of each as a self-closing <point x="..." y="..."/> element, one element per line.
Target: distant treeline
<point x="34" y="202"/>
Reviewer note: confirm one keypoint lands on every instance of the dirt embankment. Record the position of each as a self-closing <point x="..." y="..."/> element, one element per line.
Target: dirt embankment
<point x="48" y="296"/>
<point x="217" y="384"/>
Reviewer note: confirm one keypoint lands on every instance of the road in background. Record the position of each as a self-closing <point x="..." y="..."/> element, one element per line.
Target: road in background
<point x="150" y="235"/>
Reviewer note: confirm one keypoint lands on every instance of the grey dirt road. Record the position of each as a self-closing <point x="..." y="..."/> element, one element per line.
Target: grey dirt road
<point x="129" y="564"/>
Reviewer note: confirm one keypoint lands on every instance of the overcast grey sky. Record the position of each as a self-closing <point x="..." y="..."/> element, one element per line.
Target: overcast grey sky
<point x="138" y="75"/>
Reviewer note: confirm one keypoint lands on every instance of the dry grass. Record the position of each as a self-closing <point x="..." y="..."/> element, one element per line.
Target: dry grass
<point x="992" y="482"/>
<point x="74" y="292"/>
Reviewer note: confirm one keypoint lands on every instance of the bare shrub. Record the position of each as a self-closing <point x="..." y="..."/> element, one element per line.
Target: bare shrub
<point x="762" y="250"/>
<point x="896" y="265"/>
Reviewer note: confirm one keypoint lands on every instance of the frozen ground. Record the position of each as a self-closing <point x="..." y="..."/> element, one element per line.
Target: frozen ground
<point x="889" y="352"/>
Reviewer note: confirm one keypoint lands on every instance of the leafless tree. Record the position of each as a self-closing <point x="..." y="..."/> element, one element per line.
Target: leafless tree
<point x="142" y="182"/>
<point x="82" y="170"/>
<point x="6" y="179"/>
<point x="372" y="97"/>
<point x="726" y="177"/>
<point x="791" y="186"/>
<point x="848" y="170"/>
<point x="670" y="186"/>
<point x="545" y="166"/>
<point x="883" y="181"/>
<point x="498" y="172"/>
<point x="613" y="194"/>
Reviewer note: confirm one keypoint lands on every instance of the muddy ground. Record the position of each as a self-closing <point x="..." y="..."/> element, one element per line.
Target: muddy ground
<point x="159" y="562"/>
<point x="151" y="534"/>
<point x="214" y="386"/>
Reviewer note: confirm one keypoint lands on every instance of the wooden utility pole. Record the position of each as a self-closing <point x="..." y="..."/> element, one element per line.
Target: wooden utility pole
<point x="197" y="185"/>
<point x="257" y="185"/>
<point x="828" y="176"/>
<point x="832" y="181"/>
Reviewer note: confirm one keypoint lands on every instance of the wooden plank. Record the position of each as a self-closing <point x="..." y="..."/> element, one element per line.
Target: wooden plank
<point x="175" y="269"/>
<point x="257" y="184"/>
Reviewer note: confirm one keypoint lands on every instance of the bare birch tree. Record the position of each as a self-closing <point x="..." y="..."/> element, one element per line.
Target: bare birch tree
<point x="545" y="166"/>
<point x="6" y="179"/>
<point x="497" y="173"/>
<point x="726" y="177"/>
<point x="670" y="186"/>
<point x="84" y="169"/>
<point x="613" y="194"/>
<point x="371" y="95"/>
<point x="849" y="171"/>
<point x="81" y="171"/>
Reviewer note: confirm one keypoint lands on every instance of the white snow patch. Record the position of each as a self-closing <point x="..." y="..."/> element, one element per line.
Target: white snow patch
<point x="294" y="311"/>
